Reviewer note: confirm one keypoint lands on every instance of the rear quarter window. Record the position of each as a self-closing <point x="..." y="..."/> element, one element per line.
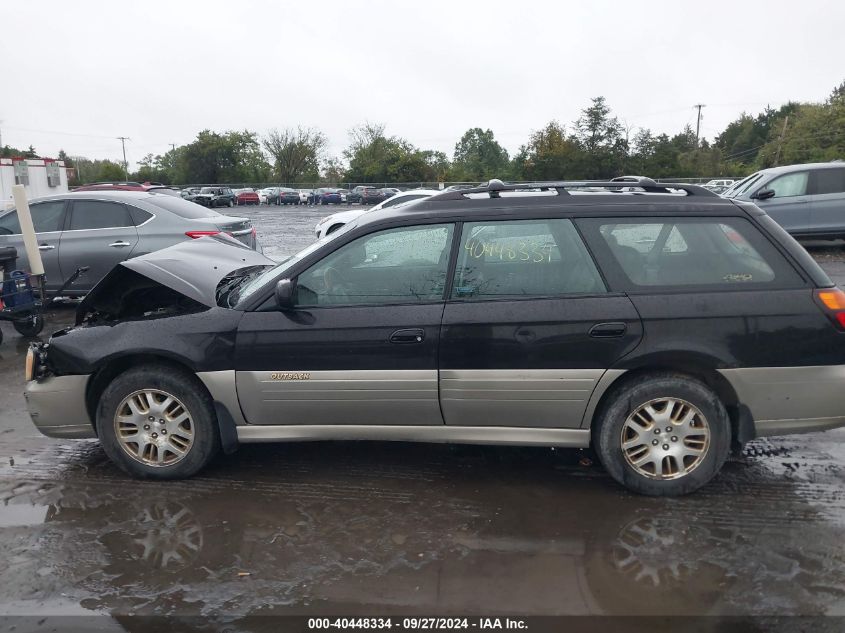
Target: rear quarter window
<point x="645" y="254"/>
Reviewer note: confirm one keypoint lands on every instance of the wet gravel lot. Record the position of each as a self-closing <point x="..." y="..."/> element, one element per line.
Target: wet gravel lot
<point x="373" y="528"/>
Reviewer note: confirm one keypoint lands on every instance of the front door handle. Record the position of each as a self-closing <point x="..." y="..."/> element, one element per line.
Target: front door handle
<point x="119" y="244"/>
<point x="45" y="247"/>
<point x="608" y="330"/>
<point x="413" y="335"/>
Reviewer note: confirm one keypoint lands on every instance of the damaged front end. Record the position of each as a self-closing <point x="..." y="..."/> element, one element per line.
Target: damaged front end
<point x="181" y="279"/>
<point x="163" y="304"/>
<point x="125" y="295"/>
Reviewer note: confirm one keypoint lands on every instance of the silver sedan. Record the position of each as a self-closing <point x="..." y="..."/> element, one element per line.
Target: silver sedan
<point x="100" y="229"/>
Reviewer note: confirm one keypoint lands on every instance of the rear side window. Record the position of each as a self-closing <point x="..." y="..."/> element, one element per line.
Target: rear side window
<point x="829" y="181"/>
<point x="717" y="253"/>
<point x="523" y="258"/>
<point x="139" y="216"/>
<point x="98" y="214"/>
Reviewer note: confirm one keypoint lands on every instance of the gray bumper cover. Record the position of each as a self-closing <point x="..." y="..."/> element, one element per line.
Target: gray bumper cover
<point x="57" y="406"/>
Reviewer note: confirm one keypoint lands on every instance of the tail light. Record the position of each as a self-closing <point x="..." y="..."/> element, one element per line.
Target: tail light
<point x="198" y="234"/>
<point x="832" y="301"/>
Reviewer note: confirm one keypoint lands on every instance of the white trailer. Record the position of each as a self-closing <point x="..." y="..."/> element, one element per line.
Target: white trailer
<point x="39" y="176"/>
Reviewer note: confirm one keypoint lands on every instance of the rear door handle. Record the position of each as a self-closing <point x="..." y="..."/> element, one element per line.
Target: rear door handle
<point x="119" y="244"/>
<point x="45" y="247"/>
<point x="413" y="335"/>
<point x="608" y="330"/>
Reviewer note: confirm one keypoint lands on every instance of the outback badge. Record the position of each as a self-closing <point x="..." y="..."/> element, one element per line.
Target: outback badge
<point x="290" y="375"/>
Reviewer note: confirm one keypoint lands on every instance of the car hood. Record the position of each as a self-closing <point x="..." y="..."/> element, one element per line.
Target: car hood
<point x="192" y="268"/>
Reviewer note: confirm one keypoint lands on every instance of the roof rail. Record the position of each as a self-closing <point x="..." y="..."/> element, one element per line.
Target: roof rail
<point x="495" y="186"/>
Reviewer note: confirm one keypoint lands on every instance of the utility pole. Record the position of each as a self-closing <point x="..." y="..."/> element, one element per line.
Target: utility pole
<point x="780" y="140"/>
<point x="698" y="120"/>
<point x="123" y="140"/>
<point x="172" y="146"/>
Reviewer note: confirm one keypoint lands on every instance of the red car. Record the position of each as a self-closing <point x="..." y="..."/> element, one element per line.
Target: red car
<point x="128" y="186"/>
<point x="246" y="196"/>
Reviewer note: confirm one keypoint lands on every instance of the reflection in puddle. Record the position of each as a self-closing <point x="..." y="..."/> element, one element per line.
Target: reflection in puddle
<point x="401" y="528"/>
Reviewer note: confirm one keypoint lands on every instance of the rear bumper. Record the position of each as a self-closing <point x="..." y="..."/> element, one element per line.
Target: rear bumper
<point x="57" y="406"/>
<point x="787" y="400"/>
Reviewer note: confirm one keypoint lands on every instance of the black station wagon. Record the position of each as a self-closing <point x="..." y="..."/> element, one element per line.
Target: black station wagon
<point x="661" y="325"/>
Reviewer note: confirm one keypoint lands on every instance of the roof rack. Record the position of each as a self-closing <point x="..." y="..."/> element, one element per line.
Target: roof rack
<point x="495" y="186"/>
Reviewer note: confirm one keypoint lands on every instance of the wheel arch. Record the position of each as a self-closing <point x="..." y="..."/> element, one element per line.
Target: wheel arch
<point x="691" y="366"/>
<point x="113" y="367"/>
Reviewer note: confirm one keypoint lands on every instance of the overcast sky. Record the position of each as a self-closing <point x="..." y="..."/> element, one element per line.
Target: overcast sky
<point x="78" y="74"/>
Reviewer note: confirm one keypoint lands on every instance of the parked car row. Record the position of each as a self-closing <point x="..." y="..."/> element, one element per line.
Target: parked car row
<point x="224" y="196"/>
<point x="283" y="195"/>
<point x="333" y="222"/>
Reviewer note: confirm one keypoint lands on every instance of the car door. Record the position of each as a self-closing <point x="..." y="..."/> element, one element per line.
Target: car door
<point x="529" y="328"/>
<point x="790" y="206"/>
<point x="361" y="345"/>
<point x="827" y="200"/>
<point x="47" y="218"/>
<point x="99" y="234"/>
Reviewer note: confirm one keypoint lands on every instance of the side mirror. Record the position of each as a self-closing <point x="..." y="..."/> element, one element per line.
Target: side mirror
<point x="764" y="194"/>
<point x="285" y="291"/>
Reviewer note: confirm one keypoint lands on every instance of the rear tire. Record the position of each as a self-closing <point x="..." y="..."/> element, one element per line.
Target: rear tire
<point x="170" y="416"/>
<point x="675" y="430"/>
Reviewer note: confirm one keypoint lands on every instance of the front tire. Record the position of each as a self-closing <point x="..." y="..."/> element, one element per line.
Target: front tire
<point x="155" y="422"/>
<point x="663" y="435"/>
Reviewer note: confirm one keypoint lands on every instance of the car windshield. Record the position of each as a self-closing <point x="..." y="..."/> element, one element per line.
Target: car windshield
<point x="742" y="186"/>
<point x="182" y="208"/>
<point x="243" y="293"/>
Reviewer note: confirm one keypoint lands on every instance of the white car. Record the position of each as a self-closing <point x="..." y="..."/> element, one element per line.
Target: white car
<point x="263" y="193"/>
<point x="333" y="222"/>
<point x="724" y="182"/>
<point x="303" y="195"/>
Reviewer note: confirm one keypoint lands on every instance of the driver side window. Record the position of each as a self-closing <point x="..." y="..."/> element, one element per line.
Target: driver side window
<point x="405" y="265"/>
<point x="790" y="185"/>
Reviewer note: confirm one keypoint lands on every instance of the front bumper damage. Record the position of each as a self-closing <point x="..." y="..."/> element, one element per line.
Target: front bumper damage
<point x="56" y="405"/>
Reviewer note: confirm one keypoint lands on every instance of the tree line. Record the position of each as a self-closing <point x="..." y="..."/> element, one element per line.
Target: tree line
<point x="595" y="146"/>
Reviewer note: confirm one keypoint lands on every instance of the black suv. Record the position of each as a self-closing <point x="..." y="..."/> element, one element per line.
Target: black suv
<point x="661" y="324"/>
<point x="215" y="197"/>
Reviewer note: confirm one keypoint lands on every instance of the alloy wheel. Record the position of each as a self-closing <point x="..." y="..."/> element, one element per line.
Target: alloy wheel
<point x="665" y="438"/>
<point x="154" y="427"/>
